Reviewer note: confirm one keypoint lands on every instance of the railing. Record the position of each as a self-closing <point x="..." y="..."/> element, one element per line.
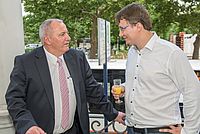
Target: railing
<point x="97" y="125"/>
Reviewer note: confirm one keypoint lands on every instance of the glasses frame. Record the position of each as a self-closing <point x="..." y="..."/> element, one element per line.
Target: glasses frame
<point x="123" y="28"/>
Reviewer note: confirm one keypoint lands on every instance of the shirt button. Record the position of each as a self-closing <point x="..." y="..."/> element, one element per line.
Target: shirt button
<point x="139" y="54"/>
<point x="131" y="101"/>
<point x="131" y="113"/>
<point x="133" y="89"/>
<point x="137" y="65"/>
<point x="135" y="77"/>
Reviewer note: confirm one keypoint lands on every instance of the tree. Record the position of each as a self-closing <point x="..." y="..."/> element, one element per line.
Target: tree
<point x="40" y="10"/>
<point x="80" y="15"/>
<point x="168" y="16"/>
<point x="173" y="16"/>
<point x="189" y="22"/>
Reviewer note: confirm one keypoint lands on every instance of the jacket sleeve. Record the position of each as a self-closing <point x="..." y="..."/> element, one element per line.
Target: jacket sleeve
<point x="98" y="101"/>
<point x="16" y="98"/>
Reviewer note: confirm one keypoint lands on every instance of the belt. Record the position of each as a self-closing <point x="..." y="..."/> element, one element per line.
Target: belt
<point x="150" y="130"/>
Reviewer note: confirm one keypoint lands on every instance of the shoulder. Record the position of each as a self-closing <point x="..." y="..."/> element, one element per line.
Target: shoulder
<point x="166" y="48"/>
<point x="167" y="45"/>
<point x="28" y="57"/>
<point x="75" y="53"/>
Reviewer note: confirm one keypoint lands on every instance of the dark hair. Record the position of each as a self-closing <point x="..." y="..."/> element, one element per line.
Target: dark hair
<point x="135" y="13"/>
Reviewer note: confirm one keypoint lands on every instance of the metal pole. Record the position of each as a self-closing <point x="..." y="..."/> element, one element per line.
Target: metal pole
<point x="105" y="75"/>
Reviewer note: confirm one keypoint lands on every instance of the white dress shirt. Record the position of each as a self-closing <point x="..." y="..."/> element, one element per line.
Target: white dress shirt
<point x="53" y="68"/>
<point x="156" y="76"/>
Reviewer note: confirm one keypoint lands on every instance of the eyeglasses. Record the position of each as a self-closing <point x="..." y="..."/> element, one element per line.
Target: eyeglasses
<point x="123" y="28"/>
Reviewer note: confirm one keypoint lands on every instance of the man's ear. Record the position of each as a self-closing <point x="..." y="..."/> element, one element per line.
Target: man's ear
<point x="47" y="40"/>
<point x="139" y="26"/>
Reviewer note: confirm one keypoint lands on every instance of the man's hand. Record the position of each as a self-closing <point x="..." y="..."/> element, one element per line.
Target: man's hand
<point x="115" y="95"/>
<point x="35" y="130"/>
<point x="173" y="130"/>
<point x="120" y="117"/>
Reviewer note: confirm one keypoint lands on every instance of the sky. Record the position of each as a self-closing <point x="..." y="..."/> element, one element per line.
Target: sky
<point x="23" y="12"/>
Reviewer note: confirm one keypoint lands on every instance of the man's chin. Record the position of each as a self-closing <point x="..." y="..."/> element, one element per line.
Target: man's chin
<point x="66" y="49"/>
<point x="128" y="44"/>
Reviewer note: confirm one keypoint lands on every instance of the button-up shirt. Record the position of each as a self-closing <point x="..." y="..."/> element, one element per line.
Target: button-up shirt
<point x="156" y="76"/>
<point x="53" y="67"/>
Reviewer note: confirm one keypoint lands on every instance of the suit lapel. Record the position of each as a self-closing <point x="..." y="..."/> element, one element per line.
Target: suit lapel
<point x="43" y="69"/>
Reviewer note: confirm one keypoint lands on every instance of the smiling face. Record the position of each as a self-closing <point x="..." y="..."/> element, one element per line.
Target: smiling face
<point x="128" y="31"/>
<point x="57" y="39"/>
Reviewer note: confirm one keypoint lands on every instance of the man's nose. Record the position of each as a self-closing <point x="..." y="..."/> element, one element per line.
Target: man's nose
<point x="68" y="37"/>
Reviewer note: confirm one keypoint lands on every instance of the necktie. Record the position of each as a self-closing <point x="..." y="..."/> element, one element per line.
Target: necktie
<point x="64" y="94"/>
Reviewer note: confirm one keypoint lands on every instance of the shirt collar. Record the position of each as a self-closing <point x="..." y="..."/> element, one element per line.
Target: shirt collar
<point x="52" y="58"/>
<point x="151" y="42"/>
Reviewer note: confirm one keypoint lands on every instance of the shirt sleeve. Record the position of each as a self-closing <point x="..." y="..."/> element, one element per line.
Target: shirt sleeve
<point x="188" y="84"/>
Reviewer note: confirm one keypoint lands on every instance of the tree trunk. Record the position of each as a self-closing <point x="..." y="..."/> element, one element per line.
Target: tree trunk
<point x="196" y="48"/>
<point x="93" y="51"/>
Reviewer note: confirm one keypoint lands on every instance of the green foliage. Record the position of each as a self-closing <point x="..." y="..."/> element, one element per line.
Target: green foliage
<point x="77" y="14"/>
<point x="168" y="16"/>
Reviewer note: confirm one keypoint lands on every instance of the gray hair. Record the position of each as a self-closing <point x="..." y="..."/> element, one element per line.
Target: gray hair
<point x="45" y="27"/>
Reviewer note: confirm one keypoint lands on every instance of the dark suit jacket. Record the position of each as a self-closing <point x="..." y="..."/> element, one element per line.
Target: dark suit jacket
<point x="30" y="95"/>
